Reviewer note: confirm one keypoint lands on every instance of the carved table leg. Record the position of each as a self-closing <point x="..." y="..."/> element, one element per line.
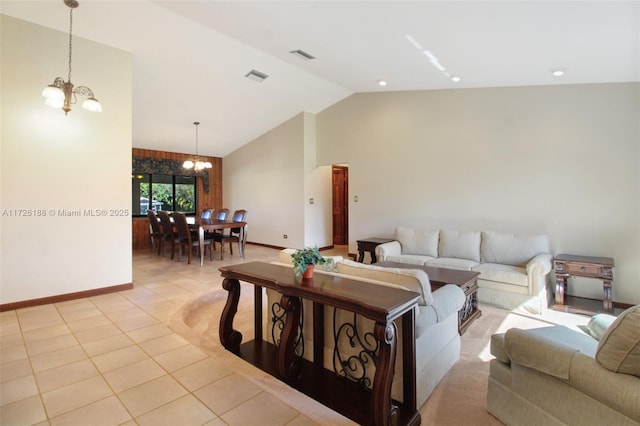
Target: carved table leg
<point x="561" y="288"/>
<point x="608" y="304"/>
<point x="229" y="337"/>
<point x="384" y="412"/>
<point x="288" y="361"/>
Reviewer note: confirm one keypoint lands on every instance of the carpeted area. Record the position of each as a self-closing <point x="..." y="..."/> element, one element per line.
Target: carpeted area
<point x="460" y="398"/>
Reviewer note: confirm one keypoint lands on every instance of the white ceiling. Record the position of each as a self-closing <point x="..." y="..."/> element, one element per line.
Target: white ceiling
<point x="190" y="57"/>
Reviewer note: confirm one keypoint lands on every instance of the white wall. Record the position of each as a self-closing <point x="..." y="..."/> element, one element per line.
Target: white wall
<point x="273" y="178"/>
<point x="318" y="223"/>
<point x="266" y="178"/>
<point x="52" y="162"/>
<point x="559" y="160"/>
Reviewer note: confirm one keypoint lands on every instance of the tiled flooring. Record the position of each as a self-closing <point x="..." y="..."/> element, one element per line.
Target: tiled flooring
<point x="117" y="359"/>
<point x="151" y="356"/>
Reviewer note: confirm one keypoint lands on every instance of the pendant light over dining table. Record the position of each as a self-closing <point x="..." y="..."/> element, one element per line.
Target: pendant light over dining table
<point x="196" y="164"/>
<point x="62" y="94"/>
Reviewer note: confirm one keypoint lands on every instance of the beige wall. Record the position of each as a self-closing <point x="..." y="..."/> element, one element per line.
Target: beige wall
<point x="273" y="178"/>
<point x="318" y="225"/>
<point x="266" y="177"/>
<point x="560" y="160"/>
<point x="52" y="162"/>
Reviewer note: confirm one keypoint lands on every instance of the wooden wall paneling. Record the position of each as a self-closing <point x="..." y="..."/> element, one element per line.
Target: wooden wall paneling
<point x="140" y="229"/>
<point x="210" y="200"/>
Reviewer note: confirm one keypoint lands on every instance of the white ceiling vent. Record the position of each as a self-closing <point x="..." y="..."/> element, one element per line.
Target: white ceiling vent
<point x="302" y="54"/>
<point x="256" y="76"/>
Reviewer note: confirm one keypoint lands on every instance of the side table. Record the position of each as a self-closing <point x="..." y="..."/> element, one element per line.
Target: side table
<point x="369" y="245"/>
<point x="566" y="265"/>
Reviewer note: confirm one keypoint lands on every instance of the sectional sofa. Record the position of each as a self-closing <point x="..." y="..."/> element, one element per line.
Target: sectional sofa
<point x="436" y="326"/>
<point x="513" y="268"/>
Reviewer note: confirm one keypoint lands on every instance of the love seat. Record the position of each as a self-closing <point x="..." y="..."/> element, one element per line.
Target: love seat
<point x="436" y="327"/>
<point x="513" y="268"/>
<point x="558" y="376"/>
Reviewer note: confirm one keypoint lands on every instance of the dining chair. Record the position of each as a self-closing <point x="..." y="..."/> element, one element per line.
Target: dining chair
<point x="155" y="233"/>
<point x="207" y="214"/>
<point x="233" y="235"/>
<point x="186" y="238"/>
<point x="220" y="216"/>
<point x="168" y="234"/>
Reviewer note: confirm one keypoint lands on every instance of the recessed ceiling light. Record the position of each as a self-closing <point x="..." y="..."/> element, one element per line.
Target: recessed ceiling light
<point x="557" y="72"/>
<point x="256" y="76"/>
<point x="455" y="79"/>
<point x="302" y="54"/>
<point x="382" y="83"/>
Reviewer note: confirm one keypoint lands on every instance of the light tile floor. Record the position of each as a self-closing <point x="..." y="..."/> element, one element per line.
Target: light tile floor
<point x="141" y="356"/>
<point x="151" y="356"/>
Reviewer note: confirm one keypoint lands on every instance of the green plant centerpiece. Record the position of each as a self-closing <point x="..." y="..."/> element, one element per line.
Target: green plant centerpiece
<point x="301" y="259"/>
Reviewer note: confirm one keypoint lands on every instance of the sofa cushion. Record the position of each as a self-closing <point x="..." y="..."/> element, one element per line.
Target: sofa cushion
<point x="547" y="349"/>
<point x="412" y="259"/>
<point x="452" y="263"/>
<point x="460" y="244"/>
<point x="502" y="273"/>
<point x="620" y="392"/>
<point x="418" y="241"/>
<point x="599" y="324"/>
<point x="619" y="348"/>
<point x="411" y="279"/>
<point x="512" y="249"/>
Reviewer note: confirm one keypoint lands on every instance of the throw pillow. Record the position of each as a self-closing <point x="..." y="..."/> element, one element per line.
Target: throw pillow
<point x="619" y="348"/>
<point x="599" y="324"/>
<point x="423" y="242"/>
<point x="460" y="244"/>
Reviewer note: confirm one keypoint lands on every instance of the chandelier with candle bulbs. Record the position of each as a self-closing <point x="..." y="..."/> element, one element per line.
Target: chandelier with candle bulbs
<point x="196" y="164"/>
<point x="62" y="94"/>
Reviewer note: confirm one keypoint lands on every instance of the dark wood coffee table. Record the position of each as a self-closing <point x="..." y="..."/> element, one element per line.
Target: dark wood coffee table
<point x="466" y="280"/>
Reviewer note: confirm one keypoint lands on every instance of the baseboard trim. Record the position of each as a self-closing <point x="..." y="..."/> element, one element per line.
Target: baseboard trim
<point x="64" y="297"/>
<point x="266" y="245"/>
<point x="282" y="248"/>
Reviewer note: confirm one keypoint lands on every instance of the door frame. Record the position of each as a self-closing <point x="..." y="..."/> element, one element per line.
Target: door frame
<point x="344" y="168"/>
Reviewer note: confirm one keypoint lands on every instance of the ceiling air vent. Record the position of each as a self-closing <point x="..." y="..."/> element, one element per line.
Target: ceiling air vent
<point x="302" y="54"/>
<point x="256" y="76"/>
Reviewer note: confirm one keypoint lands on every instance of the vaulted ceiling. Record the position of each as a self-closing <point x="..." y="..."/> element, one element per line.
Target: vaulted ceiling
<point x="190" y="58"/>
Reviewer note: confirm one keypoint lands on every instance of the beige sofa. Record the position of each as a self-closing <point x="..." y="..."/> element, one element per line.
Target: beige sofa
<point x="558" y="376"/>
<point x="436" y="325"/>
<point x="513" y="268"/>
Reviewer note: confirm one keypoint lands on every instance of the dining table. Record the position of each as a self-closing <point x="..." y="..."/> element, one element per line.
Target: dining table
<point x="209" y="225"/>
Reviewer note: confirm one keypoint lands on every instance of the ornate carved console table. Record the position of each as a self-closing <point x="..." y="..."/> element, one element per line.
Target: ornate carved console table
<point x="381" y="304"/>
<point x="566" y="265"/>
